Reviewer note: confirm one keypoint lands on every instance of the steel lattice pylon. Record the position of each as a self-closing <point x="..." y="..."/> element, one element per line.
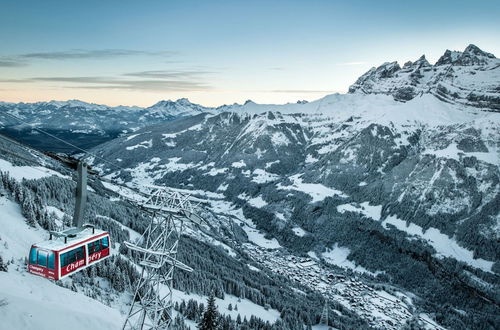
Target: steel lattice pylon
<point x="152" y="304"/>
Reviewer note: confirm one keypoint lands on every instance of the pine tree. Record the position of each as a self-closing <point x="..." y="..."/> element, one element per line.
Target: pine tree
<point x="209" y="321"/>
<point x="3" y="267"/>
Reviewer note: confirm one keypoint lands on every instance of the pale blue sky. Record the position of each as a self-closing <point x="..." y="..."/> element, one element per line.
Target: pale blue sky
<point x="216" y="52"/>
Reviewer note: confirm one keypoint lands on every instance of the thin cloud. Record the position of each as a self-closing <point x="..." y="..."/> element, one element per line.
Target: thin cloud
<point x="163" y="74"/>
<point x="7" y="63"/>
<point x="96" y="82"/>
<point x="92" y="54"/>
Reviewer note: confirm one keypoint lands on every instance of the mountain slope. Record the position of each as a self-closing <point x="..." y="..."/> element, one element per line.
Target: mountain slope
<point x="36" y="194"/>
<point x="471" y="77"/>
<point x="83" y="124"/>
<point x="403" y="192"/>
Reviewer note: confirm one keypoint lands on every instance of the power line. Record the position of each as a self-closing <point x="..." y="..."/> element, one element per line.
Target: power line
<point x="64" y="141"/>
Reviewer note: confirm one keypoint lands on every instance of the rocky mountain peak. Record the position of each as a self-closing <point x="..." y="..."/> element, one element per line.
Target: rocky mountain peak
<point x="449" y="79"/>
<point x="472" y="55"/>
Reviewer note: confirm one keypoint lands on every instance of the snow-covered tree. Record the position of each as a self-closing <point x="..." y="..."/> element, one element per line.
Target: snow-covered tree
<point x="209" y="321"/>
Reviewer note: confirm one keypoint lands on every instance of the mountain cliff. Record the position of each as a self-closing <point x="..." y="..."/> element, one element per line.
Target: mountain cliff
<point x="471" y="77"/>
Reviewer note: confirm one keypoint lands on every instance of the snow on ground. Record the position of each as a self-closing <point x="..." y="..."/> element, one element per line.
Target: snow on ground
<point x="130" y="137"/>
<point x="261" y="176"/>
<point x="123" y="191"/>
<point x="338" y="256"/>
<point x="371" y="211"/>
<point x="299" y="231"/>
<point x="27" y="172"/>
<point x="143" y="144"/>
<point x="254" y="235"/>
<point x="239" y="164"/>
<point x="452" y="152"/>
<point x="216" y="171"/>
<point x="382" y="109"/>
<point x="317" y="191"/>
<point x="257" y="202"/>
<point x="52" y="209"/>
<point x="280" y="216"/>
<point x="32" y="301"/>
<point x="36" y="303"/>
<point x="245" y="307"/>
<point x="444" y="245"/>
<point x="310" y="159"/>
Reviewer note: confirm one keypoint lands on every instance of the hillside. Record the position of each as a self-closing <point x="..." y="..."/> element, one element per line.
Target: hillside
<point x="36" y="193"/>
<point x="404" y="192"/>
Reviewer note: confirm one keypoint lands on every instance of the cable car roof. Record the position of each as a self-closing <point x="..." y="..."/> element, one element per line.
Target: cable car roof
<point x="57" y="243"/>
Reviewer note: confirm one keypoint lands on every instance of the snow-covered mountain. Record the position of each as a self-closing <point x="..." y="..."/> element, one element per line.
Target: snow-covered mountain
<point x="85" y="124"/>
<point x="471" y="77"/>
<point x="404" y="192"/>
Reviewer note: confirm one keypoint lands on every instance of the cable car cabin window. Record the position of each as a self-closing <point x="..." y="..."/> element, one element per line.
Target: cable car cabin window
<point x="52" y="260"/>
<point x="33" y="253"/>
<point x="42" y="258"/>
<point x="105" y="243"/>
<point x="94" y="247"/>
<point x="72" y="256"/>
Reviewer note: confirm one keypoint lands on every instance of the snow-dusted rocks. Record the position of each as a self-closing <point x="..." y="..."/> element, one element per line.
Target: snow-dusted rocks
<point x="470" y="77"/>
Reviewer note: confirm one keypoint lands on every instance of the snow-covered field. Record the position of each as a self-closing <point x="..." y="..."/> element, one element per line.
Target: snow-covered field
<point x="33" y="302"/>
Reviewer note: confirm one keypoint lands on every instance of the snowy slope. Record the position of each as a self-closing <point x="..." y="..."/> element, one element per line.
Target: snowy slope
<point x="470" y="77"/>
<point x="33" y="302"/>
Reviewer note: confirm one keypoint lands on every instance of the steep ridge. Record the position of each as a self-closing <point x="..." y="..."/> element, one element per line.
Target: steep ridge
<point x="471" y="77"/>
<point x="403" y="192"/>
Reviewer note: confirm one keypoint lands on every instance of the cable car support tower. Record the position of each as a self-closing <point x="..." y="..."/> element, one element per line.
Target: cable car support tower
<point x="152" y="304"/>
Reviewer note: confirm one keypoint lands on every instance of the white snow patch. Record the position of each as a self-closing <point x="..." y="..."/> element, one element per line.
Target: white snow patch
<point x="269" y="164"/>
<point x="371" y="211"/>
<point x="215" y="171"/>
<point x="261" y="176"/>
<point x="246" y="308"/>
<point x="310" y="159"/>
<point x="338" y="256"/>
<point x="317" y="191"/>
<point x="444" y="245"/>
<point x="280" y="216"/>
<point x="222" y="187"/>
<point x="130" y="137"/>
<point x="279" y="139"/>
<point x="27" y="172"/>
<point x="257" y="202"/>
<point x="299" y="231"/>
<point x="239" y="164"/>
<point x="143" y="144"/>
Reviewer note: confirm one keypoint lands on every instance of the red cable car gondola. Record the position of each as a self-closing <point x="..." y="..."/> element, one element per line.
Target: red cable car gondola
<point x="74" y="249"/>
<point x="60" y="257"/>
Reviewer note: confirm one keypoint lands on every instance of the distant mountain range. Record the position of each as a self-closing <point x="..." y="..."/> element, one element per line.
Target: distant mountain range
<point x="470" y="78"/>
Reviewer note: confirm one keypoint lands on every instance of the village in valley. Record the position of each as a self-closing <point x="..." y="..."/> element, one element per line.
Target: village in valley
<point x="378" y="307"/>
